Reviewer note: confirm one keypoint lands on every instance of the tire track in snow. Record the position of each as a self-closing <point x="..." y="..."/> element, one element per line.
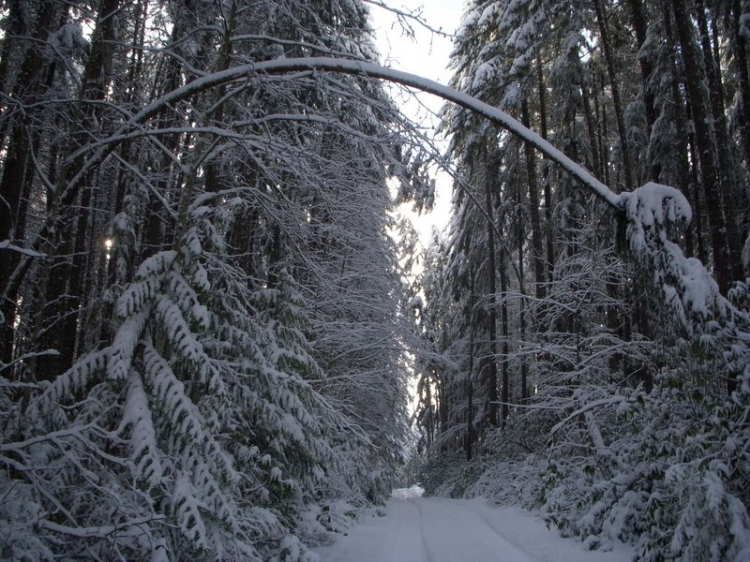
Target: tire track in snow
<point x="452" y="530"/>
<point x="478" y="511"/>
<point x="426" y="555"/>
<point x="460" y="534"/>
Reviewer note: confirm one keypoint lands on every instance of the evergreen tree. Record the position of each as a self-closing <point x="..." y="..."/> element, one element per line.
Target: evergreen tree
<point x="619" y="320"/>
<point x="176" y="357"/>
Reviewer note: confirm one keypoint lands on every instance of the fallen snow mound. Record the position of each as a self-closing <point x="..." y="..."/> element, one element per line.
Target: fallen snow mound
<point x="405" y="493"/>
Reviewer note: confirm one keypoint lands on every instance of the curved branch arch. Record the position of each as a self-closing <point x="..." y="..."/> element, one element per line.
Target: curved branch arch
<point x="371" y="70"/>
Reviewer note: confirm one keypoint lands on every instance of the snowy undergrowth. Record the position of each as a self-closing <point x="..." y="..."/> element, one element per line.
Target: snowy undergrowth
<point x="671" y="478"/>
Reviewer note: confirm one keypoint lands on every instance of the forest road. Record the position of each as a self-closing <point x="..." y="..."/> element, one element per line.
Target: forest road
<point x="452" y="530"/>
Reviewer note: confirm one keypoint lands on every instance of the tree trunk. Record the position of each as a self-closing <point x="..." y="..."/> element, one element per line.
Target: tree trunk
<point x="640" y="26"/>
<point x="470" y="390"/>
<point x="550" y="250"/>
<point x="15" y="28"/>
<point x="492" y="309"/>
<point x="536" y="226"/>
<point x="682" y="149"/>
<point x="29" y="86"/>
<point x="711" y="187"/>
<point x="609" y="57"/>
<point x="505" y="335"/>
<point x="740" y="46"/>
<point x="521" y="289"/>
<point x="591" y="129"/>
<point x="64" y="291"/>
<point x="727" y="164"/>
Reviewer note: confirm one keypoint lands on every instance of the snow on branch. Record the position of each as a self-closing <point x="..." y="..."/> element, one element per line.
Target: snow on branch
<point x="7" y="245"/>
<point x="104" y="531"/>
<point x="656" y="205"/>
<point x="649" y="209"/>
<point x="689" y="289"/>
<point x="585" y="409"/>
<point x="358" y="68"/>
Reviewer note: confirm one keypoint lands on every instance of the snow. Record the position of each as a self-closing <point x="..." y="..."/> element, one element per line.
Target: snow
<point x="418" y="529"/>
<point x="487" y="15"/>
<point x="484" y="74"/>
<point x="68" y="38"/>
<point x="656" y="204"/>
<point x="415" y="491"/>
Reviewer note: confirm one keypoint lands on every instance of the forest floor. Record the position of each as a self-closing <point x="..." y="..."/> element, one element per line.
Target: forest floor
<point x="418" y="529"/>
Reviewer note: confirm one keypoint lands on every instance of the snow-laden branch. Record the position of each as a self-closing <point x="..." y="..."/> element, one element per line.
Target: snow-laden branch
<point x="22" y="358"/>
<point x="65" y="194"/>
<point x="371" y="70"/>
<point x="8" y="245"/>
<point x="98" y="532"/>
<point x="586" y="408"/>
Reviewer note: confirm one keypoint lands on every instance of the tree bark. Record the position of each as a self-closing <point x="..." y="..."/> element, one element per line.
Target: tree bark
<point x="740" y="46"/>
<point x="505" y="333"/>
<point x="543" y="131"/>
<point x="683" y="148"/>
<point x="470" y="390"/>
<point x="727" y="164"/>
<point x="64" y="292"/>
<point x="29" y="86"/>
<point x="491" y="305"/>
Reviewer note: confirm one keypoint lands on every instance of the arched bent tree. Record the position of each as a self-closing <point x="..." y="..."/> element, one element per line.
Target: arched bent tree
<point x="648" y="211"/>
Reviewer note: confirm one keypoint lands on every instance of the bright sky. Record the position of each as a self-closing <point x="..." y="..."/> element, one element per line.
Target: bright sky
<point x="425" y="54"/>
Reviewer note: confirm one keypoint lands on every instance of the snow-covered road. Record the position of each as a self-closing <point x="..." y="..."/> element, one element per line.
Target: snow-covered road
<point x="449" y="530"/>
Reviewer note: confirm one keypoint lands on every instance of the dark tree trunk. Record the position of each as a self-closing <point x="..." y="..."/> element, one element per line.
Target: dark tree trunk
<point x="611" y="71"/>
<point x="505" y="334"/>
<point x="591" y="129"/>
<point x="29" y="86"/>
<point x="64" y="293"/>
<point x="739" y="44"/>
<point x="15" y="27"/>
<point x="682" y="149"/>
<point x="492" y="308"/>
<point x="520" y="239"/>
<point x="550" y="249"/>
<point x="698" y="106"/>
<point x="727" y="165"/>
<point x="470" y="385"/>
<point x="536" y="225"/>
<point x="640" y="25"/>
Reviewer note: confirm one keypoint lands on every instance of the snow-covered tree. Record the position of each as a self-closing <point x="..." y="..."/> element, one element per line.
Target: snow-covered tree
<point x="615" y="344"/>
<point x="197" y="356"/>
